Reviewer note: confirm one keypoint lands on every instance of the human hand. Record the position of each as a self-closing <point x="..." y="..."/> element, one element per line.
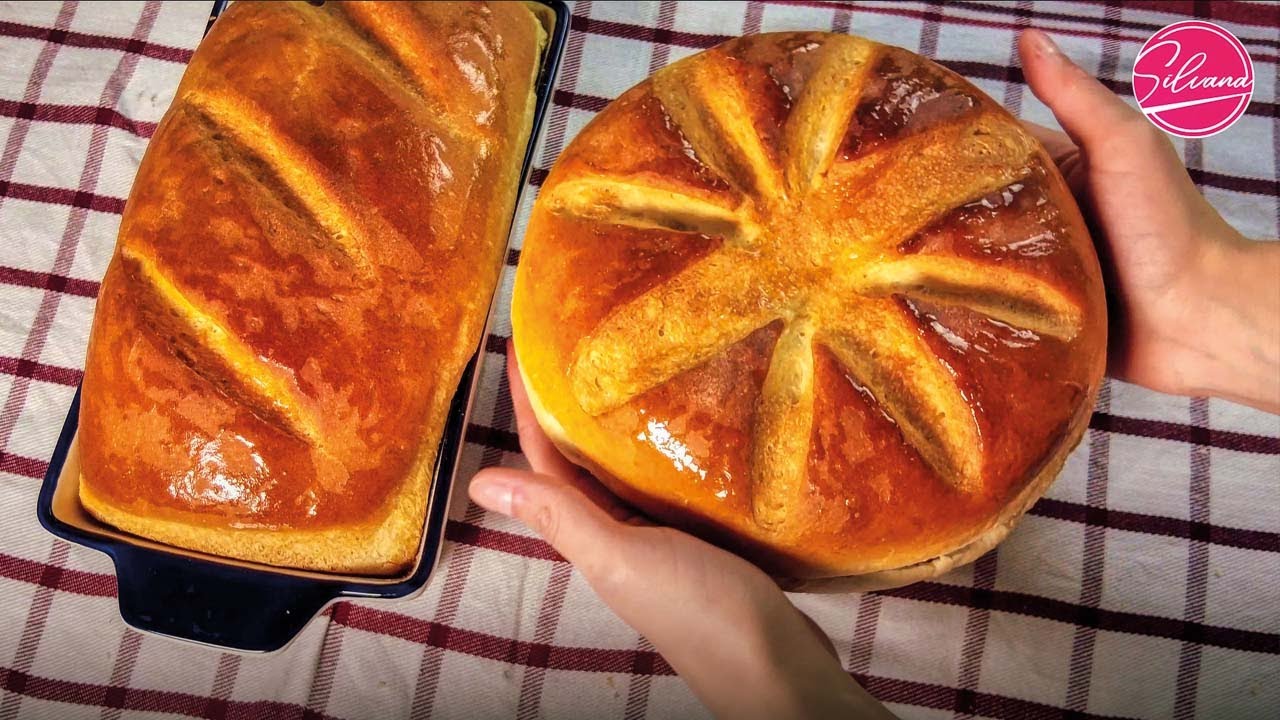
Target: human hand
<point x="1195" y="306"/>
<point x="720" y="622"/>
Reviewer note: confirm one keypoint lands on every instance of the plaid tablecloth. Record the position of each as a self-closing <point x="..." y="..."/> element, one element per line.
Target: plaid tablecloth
<point x="1147" y="583"/>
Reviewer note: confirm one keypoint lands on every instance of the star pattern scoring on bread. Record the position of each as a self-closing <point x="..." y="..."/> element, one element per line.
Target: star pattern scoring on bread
<point x="813" y="242"/>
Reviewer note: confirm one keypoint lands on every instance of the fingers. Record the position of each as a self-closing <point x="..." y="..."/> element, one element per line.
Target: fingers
<point x="820" y="635"/>
<point x="537" y="447"/>
<point x="569" y="521"/>
<point x="543" y="455"/>
<point x="1090" y="113"/>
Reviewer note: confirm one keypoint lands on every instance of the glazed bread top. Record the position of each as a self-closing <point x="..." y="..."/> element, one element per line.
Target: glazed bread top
<point x="305" y="264"/>
<point x="819" y="299"/>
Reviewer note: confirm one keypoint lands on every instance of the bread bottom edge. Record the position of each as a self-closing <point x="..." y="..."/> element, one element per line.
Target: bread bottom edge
<point x="880" y="579"/>
<point x="380" y="550"/>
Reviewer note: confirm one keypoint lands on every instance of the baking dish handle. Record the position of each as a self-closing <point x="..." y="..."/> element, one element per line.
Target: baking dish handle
<point x="217" y="604"/>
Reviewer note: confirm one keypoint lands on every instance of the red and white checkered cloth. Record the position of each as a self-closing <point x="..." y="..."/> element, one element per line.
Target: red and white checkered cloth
<point x="1147" y="583"/>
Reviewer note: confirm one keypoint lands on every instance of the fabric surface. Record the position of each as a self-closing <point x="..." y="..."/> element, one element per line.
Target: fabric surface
<point x="1144" y="585"/>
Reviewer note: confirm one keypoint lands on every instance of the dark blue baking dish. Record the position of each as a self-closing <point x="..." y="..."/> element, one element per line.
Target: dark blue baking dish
<point x="243" y="606"/>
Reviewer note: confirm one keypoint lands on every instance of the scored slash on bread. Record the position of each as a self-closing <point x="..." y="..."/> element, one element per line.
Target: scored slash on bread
<point x="813" y="242"/>
<point x="389" y="42"/>
<point x="247" y="132"/>
<point x="213" y="352"/>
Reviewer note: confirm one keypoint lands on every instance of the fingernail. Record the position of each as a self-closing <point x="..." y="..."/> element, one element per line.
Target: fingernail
<point x="1044" y="45"/>
<point x="493" y="493"/>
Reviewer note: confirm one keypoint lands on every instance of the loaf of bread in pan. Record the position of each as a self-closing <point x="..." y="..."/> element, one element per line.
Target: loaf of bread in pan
<point x="303" y="271"/>
<point x="818" y="299"/>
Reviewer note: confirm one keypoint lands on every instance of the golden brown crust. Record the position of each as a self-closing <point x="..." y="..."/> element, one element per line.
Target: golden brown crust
<point x="304" y="268"/>
<point x="817" y="299"/>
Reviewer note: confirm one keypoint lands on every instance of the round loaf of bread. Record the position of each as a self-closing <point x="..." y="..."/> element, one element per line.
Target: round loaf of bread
<point x="818" y="300"/>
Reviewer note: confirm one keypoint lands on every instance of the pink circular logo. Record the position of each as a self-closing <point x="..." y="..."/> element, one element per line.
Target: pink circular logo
<point x="1193" y="79"/>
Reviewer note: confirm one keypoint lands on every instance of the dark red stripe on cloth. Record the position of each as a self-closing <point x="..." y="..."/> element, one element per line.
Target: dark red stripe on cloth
<point x="1003" y="600"/>
<point x="321" y="689"/>
<point x="79" y="582"/>
<point x="72" y="38"/>
<point x="456" y="573"/>
<point x="1157" y="525"/>
<point x="992" y="71"/>
<point x="550" y="608"/>
<point x="1262" y="14"/>
<point x="1040" y="13"/>
<point x="21" y="367"/>
<point x="644" y="33"/>
<point x="1108" y="34"/>
<point x="973" y="645"/>
<point x="122" y="673"/>
<point x="1164" y="430"/>
<point x="1255" y="186"/>
<point x="37" y="618"/>
<point x="1113" y="620"/>
<point x="62" y="196"/>
<point x="48" y="281"/>
<point x="553" y="657"/>
<point x="143" y="699"/>
<point x="224" y="684"/>
<point x="641" y="684"/>
<point x="510" y="543"/>
<point x="579" y="101"/>
<point x="76" y="115"/>
<point x="981" y="704"/>
<point x="492" y="647"/>
<point x="493" y="438"/>
<point x="1195" y="602"/>
<point x="1084" y="638"/>
<point x="19" y="465"/>
<point x="885" y="689"/>
<point x="703" y="40"/>
<point x="496" y="344"/>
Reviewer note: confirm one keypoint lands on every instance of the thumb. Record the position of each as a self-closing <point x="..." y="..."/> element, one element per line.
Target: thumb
<point x="567" y="519"/>
<point x="1090" y="113"/>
